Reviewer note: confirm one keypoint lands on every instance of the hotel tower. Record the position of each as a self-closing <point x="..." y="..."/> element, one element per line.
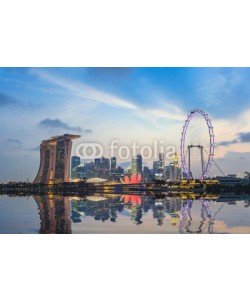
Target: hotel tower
<point x="55" y="159"/>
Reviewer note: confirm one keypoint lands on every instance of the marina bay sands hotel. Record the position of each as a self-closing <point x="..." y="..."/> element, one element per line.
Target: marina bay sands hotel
<point x="55" y="159"/>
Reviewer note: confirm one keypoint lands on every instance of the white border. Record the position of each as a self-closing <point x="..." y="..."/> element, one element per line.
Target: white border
<point x="124" y="33"/>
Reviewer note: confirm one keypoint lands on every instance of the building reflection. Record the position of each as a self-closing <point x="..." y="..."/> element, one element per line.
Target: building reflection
<point x="54" y="213"/>
<point x="136" y="206"/>
<point x="135" y="200"/>
<point x="103" y="210"/>
<point x="57" y="213"/>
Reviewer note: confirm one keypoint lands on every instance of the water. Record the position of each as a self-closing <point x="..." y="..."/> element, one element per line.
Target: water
<point x="124" y="214"/>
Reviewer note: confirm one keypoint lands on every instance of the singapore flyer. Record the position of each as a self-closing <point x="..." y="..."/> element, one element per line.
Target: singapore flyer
<point x="197" y="145"/>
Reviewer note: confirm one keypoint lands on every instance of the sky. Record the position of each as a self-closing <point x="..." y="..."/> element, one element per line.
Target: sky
<point x="130" y="105"/>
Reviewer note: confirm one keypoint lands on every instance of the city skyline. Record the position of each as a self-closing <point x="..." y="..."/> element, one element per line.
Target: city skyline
<point x="128" y="104"/>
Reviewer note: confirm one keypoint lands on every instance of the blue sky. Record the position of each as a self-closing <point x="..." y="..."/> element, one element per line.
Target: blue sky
<point x="132" y="104"/>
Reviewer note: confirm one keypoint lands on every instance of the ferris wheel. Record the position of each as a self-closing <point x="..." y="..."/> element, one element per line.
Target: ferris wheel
<point x="197" y="145"/>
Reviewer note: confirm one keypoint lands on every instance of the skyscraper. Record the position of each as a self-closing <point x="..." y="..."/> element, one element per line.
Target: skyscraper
<point x="75" y="162"/>
<point x="105" y="167"/>
<point x="161" y="159"/>
<point x="119" y="172"/>
<point x="156" y="166"/>
<point x="98" y="167"/>
<point x="55" y="159"/>
<point x="98" y="163"/>
<point x="175" y="170"/>
<point x="157" y="169"/>
<point x="147" y="174"/>
<point x="139" y="163"/>
<point x="167" y="172"/>
<point x="134" y="165"/>
<point x="113" y="166"/>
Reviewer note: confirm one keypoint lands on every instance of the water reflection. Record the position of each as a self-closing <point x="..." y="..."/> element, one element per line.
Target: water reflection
<point x="57" y="212"/>
<point x="115" y="213"/>
<point x="54" y="213"/>
<point x="186" y="220"/>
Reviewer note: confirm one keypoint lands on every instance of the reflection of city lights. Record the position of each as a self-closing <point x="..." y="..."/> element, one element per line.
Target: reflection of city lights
<point x="174" y="221"/>
<point x="56" y="212"/>
<point x="133" y="199"/>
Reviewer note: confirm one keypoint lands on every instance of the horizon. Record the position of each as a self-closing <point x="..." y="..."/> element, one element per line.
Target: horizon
<point x="139" y="105"/>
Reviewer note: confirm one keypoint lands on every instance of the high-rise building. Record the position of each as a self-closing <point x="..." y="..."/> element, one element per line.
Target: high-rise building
<point x="139" y="163"/>
<point x="89" y="170"/>
<point x="175" y="160"/>
<point x="98" y="167"/>
<point x="98" y="163"/>
<point x="75" y="162"/>
<point x="119" y="173"/>
<point x="147" y="174"/>
<point x="157" y="169"/>
<point x="134" y="169"/>
<point x="175" y="170"/>
<point x="105" y="168"/>
<point x="105" y="163"/>
<point x="167" y="172"/>
<point x="113" y="166"/>
<point x="156" y="166"/>
<point x="136" y="164"/>
<point x="161" y="159"/>
<point x="55" y="159"/>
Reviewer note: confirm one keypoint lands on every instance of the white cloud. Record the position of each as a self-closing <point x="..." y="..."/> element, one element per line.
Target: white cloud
<point x="169" y="113"/>
<point x="85" y="91"/>
<point x="79" y="89"/>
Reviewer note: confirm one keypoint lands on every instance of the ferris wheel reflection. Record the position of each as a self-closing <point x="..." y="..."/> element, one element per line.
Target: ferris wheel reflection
<point x="186" y="221"/>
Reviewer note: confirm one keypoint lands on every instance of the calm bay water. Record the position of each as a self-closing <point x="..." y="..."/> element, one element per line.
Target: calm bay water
<point x="123" y="214"/>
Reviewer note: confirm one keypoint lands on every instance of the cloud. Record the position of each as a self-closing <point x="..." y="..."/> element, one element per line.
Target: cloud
<point x="14" y="141"/>
<point x="85" y="91"/>
<point x="87" y="130"/>
<point x="227" y="143"/>
<point x="37" y="148"/>
<point x="243" y="137"/>
<point x="6" y="100"/>
<point x="169" y="112"/>
<point x="58" y="124"/>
